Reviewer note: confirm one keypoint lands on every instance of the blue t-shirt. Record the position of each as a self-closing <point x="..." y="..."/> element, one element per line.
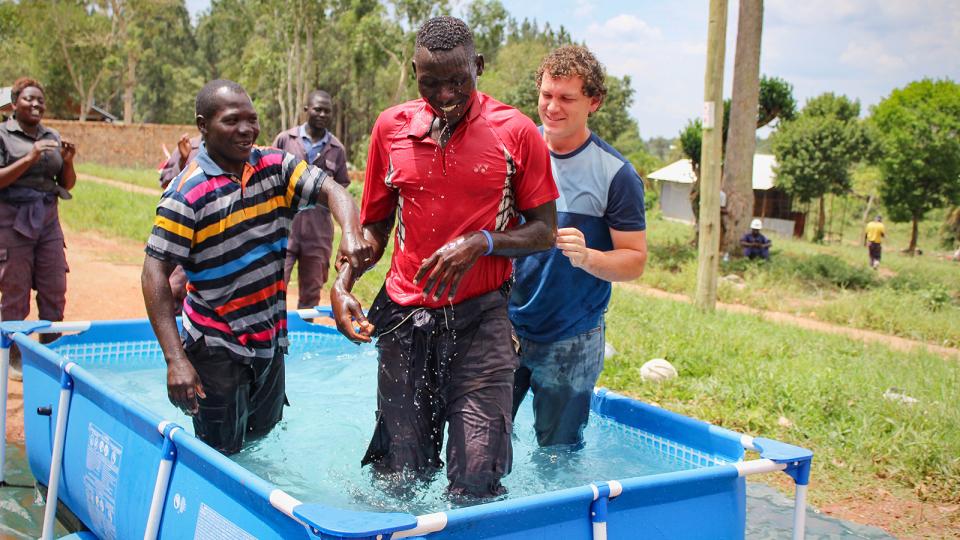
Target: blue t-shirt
<point x="599" y="190"/>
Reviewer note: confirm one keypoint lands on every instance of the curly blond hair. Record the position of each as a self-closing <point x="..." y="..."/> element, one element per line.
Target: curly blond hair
<point x="575" y="61"/>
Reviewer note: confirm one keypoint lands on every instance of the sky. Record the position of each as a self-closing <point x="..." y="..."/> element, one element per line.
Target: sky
<point x="860" y="48"/>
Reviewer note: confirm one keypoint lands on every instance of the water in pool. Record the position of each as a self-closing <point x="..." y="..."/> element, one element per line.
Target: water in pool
<point x="314" y="453"/>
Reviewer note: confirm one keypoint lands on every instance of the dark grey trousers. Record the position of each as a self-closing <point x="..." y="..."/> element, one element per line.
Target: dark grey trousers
<point x="450" y="366"/>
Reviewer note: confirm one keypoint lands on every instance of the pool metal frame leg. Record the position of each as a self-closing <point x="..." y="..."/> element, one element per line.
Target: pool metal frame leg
<point x="4" y="371"/>
<point x="56" y="458"/>
<point x="792" y="460"/>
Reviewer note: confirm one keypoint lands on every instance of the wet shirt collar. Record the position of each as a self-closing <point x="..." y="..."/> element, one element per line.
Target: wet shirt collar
<point x="423" y="119"/>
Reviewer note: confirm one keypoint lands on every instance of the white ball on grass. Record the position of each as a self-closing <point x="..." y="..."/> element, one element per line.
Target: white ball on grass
<point x="657" y="370"/>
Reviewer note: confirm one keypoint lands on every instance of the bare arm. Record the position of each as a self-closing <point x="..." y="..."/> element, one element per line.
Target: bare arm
<point x="68" y="176"/>
<point x="446" y="267"/>
<point x="625" y="262"/>
<point x="346" y="308"/>
<point x="353" y="246"/>
<point x="183" y="383"/>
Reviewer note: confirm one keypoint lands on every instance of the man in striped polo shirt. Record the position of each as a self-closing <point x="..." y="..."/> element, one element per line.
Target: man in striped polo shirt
<point x="225" y="219"/>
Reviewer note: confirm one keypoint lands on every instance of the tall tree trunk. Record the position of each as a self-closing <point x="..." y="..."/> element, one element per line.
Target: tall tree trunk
<point x="129" y="84"/>
<point x="913" y="236"/>
<point x="821" y="219"/>
<point x="742" y="134"/>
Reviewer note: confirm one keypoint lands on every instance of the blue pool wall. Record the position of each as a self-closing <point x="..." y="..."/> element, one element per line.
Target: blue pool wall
<point x="697" y="503"/>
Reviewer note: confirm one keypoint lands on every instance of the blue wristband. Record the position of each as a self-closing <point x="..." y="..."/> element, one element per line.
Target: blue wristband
<point x="489" y="241"/>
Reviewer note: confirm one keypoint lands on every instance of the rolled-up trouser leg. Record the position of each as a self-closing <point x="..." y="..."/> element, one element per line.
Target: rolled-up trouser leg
<point x="480" y="403"/>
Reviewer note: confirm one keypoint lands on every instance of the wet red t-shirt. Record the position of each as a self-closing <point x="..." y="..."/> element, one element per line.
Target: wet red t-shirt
<point x="494" y="166"/>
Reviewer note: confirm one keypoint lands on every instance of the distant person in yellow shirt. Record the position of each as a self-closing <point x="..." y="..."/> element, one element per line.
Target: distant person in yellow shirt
<point x="874" y="238"/>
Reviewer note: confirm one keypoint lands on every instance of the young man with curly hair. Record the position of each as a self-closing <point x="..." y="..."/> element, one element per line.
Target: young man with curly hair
<point x="558" y="301"/>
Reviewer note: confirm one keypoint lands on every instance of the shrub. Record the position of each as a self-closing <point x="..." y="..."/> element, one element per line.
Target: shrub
<point x="671" y="255"/>
<point x="827" y="269"/>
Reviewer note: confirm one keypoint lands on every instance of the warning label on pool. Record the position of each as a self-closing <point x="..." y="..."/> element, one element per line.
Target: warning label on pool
<point x="213" y="526"/>
<point x="100" y="481"/>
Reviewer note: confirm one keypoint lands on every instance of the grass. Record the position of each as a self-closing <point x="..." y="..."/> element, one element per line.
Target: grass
<point x="139" y="177"/>
<point x="109" y="211"/>
<point x="745" y="373"/>
<point x="913" y="297"/>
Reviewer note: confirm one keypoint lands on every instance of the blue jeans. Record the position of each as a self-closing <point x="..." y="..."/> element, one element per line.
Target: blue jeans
<point x="561" y="375"/>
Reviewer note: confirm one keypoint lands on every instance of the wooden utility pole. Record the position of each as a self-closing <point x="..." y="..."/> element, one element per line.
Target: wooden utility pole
<point x="742" y="131"/>
<point x="711" y="158"/>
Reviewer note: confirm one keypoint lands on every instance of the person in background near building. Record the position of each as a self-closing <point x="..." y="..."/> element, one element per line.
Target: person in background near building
<point x="226" y="219"/>
<point x="755" y="245"/>
<point x="558" y="302"/>
<point x="187" y="148"/>
<point x="456" y="169"/>
<point x="312" y="233"/>
<point x="36" y="170"/>
<point x="873" y="238"/>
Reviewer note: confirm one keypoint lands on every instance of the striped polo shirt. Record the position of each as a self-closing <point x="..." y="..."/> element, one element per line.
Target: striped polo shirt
<point x="230" y="236"/>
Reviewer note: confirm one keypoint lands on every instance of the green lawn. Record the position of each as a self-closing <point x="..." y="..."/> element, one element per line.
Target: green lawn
<point x="109" y="211"/>
<point x="916" y="297"/>
<point x="745" y="373"/>
<point x="140" y="177"/>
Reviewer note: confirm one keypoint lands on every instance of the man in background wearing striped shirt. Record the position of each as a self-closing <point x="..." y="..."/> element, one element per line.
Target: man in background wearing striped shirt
<point x="226" y="219"/>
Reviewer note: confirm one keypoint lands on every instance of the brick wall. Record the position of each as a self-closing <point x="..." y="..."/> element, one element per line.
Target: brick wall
<point x="137" y="145"/>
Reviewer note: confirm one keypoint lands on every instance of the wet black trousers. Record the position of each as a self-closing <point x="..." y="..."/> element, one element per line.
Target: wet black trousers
<point x="453" y="366"/>
<point x="244" y="401"/>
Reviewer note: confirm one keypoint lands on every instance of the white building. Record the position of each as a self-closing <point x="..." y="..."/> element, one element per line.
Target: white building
<point x="770" y="204"/>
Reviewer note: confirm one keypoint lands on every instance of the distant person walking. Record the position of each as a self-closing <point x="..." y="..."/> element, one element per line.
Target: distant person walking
<point x="311" y="235"/>
<point x="36" y="169"/>
<point x="874" y="238"/>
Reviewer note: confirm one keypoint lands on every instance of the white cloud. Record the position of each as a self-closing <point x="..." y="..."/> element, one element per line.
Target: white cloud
<point x="871" y="56"/>
<point x="584" y="8"/>
<point x="628" y="27"/>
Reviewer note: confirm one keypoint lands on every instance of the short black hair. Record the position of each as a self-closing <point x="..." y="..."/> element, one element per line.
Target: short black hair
<point x="22" y="84"/>
<point x="206" y="106"/>
<point x="318" y="93"/>
<point x="444" y="34"/>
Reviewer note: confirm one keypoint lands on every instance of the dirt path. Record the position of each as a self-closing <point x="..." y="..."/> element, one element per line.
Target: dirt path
<point x="125" y="186"/>
<point x="894" y="342"/>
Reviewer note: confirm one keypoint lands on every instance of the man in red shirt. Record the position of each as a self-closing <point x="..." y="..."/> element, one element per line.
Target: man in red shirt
<point x="457" y="168"/>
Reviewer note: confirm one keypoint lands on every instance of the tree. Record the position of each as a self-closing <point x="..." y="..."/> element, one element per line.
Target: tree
<point x="776" y="103"/>
<point x="742" y="131"/>
<point x="816" y="151"/>
<point x="917" y="130"/>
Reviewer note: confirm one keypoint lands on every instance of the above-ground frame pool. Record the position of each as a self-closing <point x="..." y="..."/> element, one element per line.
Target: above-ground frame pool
<point x="125" y="472"/>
